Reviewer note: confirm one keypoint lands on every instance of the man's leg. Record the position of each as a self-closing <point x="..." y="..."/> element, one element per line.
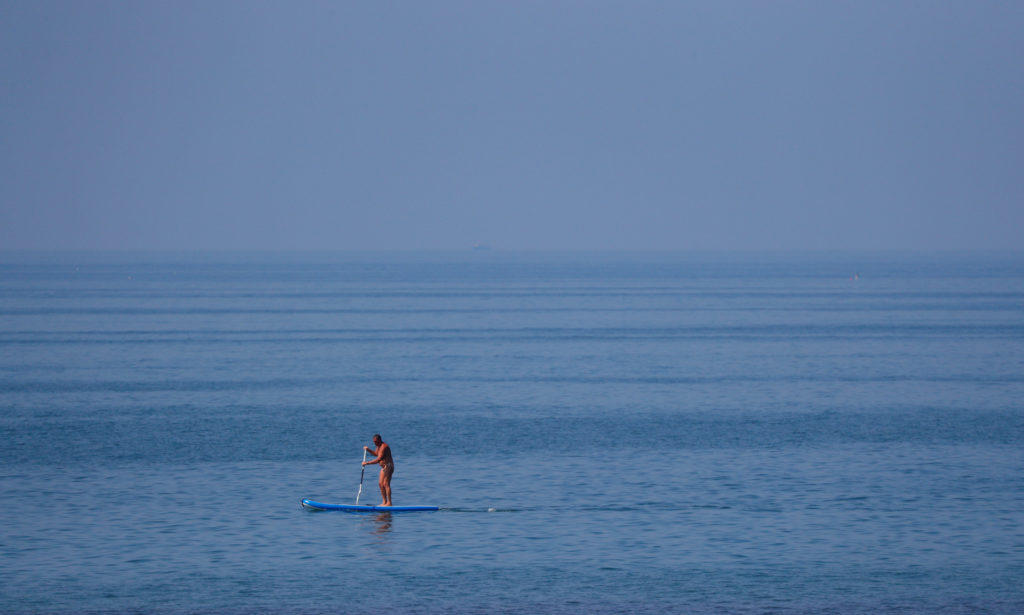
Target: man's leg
<point x="386" y="486"/>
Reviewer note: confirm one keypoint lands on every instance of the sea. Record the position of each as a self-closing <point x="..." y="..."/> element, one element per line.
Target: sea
<point x="603" y="432"/>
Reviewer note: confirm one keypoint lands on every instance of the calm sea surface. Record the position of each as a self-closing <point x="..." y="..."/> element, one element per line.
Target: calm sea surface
<point x="604" y="433"/>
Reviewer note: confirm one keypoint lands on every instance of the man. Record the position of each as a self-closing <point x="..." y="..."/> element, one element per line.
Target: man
<point x="387" y="466"/>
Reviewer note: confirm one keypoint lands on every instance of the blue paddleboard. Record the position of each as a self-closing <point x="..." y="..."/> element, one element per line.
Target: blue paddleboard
<point x="311" y="505"/>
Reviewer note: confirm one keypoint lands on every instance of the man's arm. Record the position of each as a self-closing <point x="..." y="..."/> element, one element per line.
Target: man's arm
<point x="379" y="453"/>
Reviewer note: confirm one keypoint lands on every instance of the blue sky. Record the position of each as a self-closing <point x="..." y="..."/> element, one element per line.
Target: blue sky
<point x="522" y="125"/>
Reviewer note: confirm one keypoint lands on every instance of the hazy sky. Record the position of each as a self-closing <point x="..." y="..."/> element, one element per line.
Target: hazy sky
<point x="522" y="125"/>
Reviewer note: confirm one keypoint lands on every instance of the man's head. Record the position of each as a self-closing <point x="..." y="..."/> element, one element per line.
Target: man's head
<point x="376" y="439"/>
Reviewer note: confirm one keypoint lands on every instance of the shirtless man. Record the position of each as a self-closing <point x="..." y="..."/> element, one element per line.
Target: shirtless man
<point x="387" y="466"/>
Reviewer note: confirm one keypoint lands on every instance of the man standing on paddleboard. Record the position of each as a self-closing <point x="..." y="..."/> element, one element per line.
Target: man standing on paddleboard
<point x="387" y="466"/>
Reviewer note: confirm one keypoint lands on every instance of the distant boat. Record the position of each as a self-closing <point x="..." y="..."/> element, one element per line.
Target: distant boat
<point x="480" y="247"/>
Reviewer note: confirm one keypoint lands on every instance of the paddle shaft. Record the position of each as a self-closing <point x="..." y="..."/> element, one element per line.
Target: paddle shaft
<point x="361" y="474"/>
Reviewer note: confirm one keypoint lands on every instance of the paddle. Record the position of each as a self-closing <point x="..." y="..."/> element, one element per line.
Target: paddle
<point x="361" y="473"/>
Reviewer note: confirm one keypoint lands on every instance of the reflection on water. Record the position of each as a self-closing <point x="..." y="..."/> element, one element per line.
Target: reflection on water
<point x="382" y="524"/>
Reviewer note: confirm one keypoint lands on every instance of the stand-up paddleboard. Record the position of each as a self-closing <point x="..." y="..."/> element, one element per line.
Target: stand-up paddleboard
<point x="311" y="505"/>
